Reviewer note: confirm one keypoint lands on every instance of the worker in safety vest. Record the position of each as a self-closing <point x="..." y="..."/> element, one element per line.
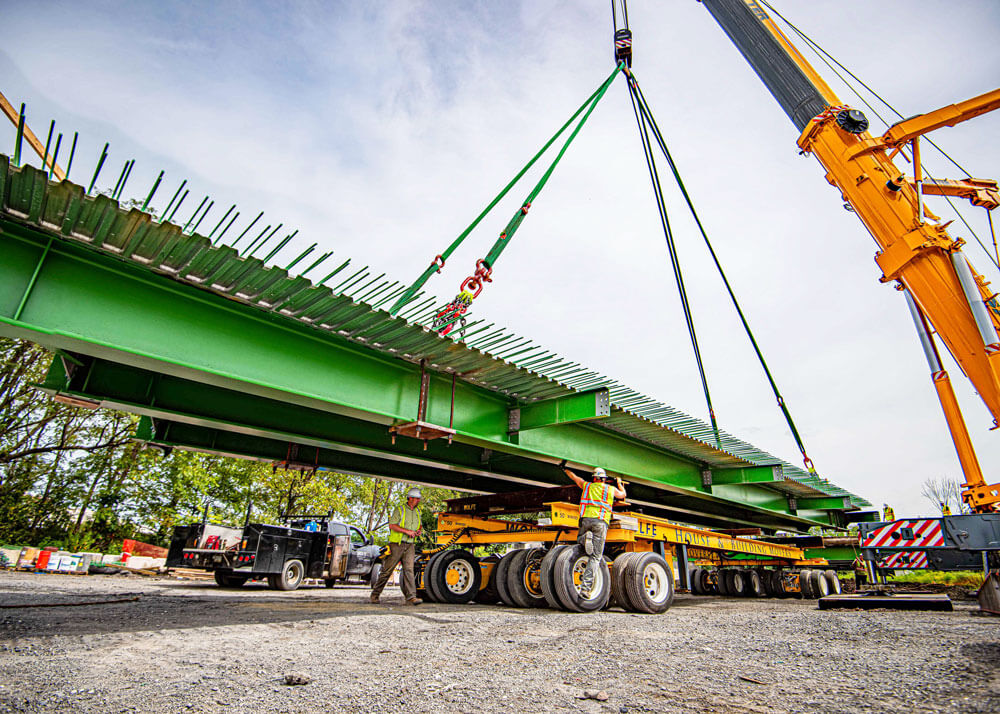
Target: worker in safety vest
<point x="887" y="513"/>
<point x="595" y="516"/>
<point x="860" y="573"/>
<point x="404" y="527"/>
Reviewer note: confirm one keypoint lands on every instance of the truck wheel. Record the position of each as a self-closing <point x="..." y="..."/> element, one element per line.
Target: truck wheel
<point x="523" y="579"/>
<point x="457" y="576"/>
<point x="649" y="582"/>
<point x="329" y="582"/>
<point x="805" y="584"/>
<point x="833" y="582"/>
<point x="545" y="576"/>
<point x="819" y="584"/>
<point x="502" y="567"/>
<point x="226" y="579"/>
<point x="755" y="584"/>
<point x="777" y="584"/>
<point x="722" y="581"/>
<point x="618" y="593"/>
<point x="291" y="575"/>
<point x="566" y="574"/>
<point x="375" y="574"/>
<point x="487" y="595"/>
<point x="736" y="584"/>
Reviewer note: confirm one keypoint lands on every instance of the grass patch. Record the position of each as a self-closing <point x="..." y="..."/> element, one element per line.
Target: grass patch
<point x="964" y="578"/>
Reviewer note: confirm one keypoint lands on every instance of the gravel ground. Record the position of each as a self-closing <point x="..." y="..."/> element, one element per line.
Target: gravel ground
<point x="191" y="646"/>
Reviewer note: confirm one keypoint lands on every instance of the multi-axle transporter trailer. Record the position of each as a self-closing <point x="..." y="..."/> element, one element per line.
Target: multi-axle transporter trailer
<point x="642" y="554"/>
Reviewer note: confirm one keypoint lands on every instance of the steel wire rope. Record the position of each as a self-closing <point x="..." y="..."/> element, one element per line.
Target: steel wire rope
<point x="644" y="108"/>
<point x="823" y="55"/>
<point x="654" y="177"/>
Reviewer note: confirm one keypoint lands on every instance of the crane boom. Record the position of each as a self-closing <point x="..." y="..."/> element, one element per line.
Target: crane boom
<point x="915" y="251"/>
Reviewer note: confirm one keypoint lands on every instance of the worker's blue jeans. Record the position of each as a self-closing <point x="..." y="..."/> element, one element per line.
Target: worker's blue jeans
<point x="598" y="528"/>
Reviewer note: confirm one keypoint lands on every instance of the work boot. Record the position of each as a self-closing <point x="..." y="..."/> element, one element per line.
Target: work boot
<point x="414" y="601"/>
<point x="588" y="543"/>
<point x="373" y="599"/>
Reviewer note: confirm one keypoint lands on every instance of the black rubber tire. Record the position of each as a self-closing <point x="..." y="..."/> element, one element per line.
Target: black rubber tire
<point x="548" y="587"/>
<point x="466" y="563"/>
<point x="649" y="582"/>
<point x="329" y="582"/>
<point x="565" y="584"/>
<point x="502" y="567"/>
<point x="722" y="581"/>
<point x="805" y="584"/>
<point x="519" y="579"/>
<point x="755" y="584"/>
<point x="430" y="582"/>
<point x="226" y="579"/>
<point x="819" y="584"/>
<point x="735" y="582"/>
<point x="291" y="575"/>
<point x="487" y="594"/>
<point x="767" y="578"/>
<point x="618" y="593"/>
<point x="374" y="574"/>
<point x="833" y="582"/>
<point x="777" y="585"/>
<point x="696" y="576"/>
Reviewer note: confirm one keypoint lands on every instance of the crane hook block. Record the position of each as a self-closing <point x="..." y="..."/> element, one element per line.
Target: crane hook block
<point x="623" y="47"/>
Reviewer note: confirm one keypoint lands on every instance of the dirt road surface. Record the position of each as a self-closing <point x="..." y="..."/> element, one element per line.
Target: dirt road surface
<point x="190" y="646"/>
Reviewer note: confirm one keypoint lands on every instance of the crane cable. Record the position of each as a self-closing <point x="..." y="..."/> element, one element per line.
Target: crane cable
<point x="639" y="100"/>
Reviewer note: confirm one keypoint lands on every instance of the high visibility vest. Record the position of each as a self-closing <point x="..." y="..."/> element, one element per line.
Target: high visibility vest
<point x="405" y="518"/>
<point x="596" y="500"/>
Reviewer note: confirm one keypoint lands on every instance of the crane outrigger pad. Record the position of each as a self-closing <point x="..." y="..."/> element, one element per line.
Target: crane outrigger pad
<point x="879" y="601"/>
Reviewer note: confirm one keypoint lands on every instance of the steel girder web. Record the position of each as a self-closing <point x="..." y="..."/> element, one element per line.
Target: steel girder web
<point x="194" y="415"/>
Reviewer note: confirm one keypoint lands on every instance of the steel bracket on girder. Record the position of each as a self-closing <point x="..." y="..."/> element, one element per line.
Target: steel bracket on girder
<point x="571" y="408"/>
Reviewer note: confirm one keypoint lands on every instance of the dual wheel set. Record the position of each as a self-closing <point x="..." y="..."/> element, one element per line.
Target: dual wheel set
<point x="748" y="582"/>
<point x="637" y="582"/>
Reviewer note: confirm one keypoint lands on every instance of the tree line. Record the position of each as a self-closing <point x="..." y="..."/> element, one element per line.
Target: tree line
<point x="74" y="477"/>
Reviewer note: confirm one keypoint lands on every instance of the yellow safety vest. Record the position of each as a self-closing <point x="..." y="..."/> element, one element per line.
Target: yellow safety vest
<point x="406" y="518"/>
<point x="596" y="501"/>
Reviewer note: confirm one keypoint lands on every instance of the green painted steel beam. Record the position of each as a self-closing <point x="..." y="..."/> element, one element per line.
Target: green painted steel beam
<point x="750" y="474"/>
<point x="561" y="410"/>
<point x="841" y="554"/>
<point x="195" y="408"/>
<point x="833" y="503"/>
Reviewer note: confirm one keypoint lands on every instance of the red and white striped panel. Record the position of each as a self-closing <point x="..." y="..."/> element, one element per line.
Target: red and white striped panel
<point x="912" y="560"/>
<point x="926" y="534"/>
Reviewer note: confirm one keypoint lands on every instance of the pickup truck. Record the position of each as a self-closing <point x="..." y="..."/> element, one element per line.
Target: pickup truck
<point x="314" y="547"/>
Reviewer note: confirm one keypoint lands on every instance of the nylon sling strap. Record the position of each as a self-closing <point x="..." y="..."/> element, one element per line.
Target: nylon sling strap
<point x="644" y="109"/>
<point x="438" y="263"/>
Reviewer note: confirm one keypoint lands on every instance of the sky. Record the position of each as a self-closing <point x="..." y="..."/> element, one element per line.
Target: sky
<point x="380" y="130"/>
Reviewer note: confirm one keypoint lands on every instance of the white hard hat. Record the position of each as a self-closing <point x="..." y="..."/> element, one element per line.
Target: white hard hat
<point x="413" y="493"/>
<point x="600" y="473"/>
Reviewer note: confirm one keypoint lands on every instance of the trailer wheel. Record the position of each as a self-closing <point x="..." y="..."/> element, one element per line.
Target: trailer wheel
<point x="502" y="567"/>
<point x="805" y="584"/>
<point x="456" y="576"/>
<point x="545" y="576"/>
<point x="818" y="583"/>
<point x="735" y="582"/>
<point x="722" y="581"/>
<point x="227" y="580"/>
<point x="649" y="582"/>
<point x="375" y="574"/>
<point x="290" y="577"/>
<point x="695" y="575"/>
<point x="833" y="582"/>
<point x="777" y="584"/>
<point x="430" y="581"/>
<point x="566" y="574"/>
<point x="618" y="568"/>
<point x="488" y="595"/>
<point x="523" y="579"/>
<point x="755" y="584"/>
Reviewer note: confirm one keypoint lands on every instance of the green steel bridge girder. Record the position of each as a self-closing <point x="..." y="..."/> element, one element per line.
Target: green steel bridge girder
<point x="68" y="297"/>
<point x="194" y="415"/>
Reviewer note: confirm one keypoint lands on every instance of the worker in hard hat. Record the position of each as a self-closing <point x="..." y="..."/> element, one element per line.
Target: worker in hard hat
<point x="860" y="573"/>
<point x="887" y="513"/>
<point x="595" y="515"/>
<point x="405" y="527"/>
